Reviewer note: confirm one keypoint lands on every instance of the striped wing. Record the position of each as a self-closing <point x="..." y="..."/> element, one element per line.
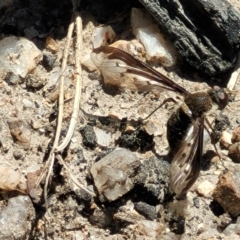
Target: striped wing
<point x="121" y="69"/>
<point x="185" y="166"/>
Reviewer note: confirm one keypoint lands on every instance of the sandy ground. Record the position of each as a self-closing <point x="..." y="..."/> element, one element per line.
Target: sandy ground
<point x="71" y="214"/>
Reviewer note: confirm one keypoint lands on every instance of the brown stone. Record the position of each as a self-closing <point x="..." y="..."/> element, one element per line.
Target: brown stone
<point x="236" y="135"/>
<point x="227" y="192"/>
<point x="234" y="152"/>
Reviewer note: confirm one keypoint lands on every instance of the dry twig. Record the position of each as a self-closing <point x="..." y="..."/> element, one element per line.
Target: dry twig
<point x="78" y="72"/>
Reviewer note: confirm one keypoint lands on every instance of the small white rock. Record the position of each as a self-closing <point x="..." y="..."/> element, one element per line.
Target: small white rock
<point x="19" y="55"/>
<point x="103" y="138"/>
<point x="217" y="172"/>
<point x="148" y="33"/>
<point x="113" y="174"/>
<point x="154" y="128"/>
<point x="226" y="139"/>
<point x="102" y="35"/>
<point x="201" y="228"/>
<point x="205" y="188"/>
<point x="9" y="178"/>
<point x="27" y="103"/>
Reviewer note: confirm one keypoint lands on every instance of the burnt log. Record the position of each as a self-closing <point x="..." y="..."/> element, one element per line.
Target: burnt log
<point x="205" y="33"/>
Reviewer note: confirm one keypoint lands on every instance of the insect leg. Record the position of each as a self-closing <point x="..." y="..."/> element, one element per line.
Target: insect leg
<point x="211" y="134"/>
<point x="165" y="101"/>
<point x="212" y="137"/>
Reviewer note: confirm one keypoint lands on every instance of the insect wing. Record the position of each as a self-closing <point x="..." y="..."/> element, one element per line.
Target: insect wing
<point x="121" y="69"/>
<point x="116" y="72"/>
<point x="185" y="166"/>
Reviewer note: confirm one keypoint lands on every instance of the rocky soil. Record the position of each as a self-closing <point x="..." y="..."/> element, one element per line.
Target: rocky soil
<point x="121" y="164"/>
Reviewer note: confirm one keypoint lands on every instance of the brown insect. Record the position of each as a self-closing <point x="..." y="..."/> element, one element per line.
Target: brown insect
<point x="185" y="126"/>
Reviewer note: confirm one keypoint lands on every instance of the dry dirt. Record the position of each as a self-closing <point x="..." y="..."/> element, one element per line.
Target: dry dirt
<point x="71" y="215"/>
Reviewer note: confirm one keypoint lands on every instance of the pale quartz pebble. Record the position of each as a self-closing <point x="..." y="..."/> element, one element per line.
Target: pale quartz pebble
<point x="9" y="178"/>
<point x="226" y="139"/>
<point x="217" y="172"/>
<point x="19" y="55"/>
<point x="154" y="128"/>
<point x="88" y="63"/>
<point x="148" y="33"/>
<point x="103" y="138"/>
<point x="205" y="188"/>
<point x="113" y="174"/>
<point x="103" y="35"/>
<point x="27" y="103"/>
<point x="150" y="228"/>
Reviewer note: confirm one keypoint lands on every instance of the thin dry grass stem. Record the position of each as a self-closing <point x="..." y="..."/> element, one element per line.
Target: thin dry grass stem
<point x="61" y="87"/>
<point x="235" y="75"/>
<point x="78" y="73"/>
<point x="49" y="164"/>
<point x="73" y="121"/>
<point x="75" y="181"/>
<point x="78" y="91"/>
<point x="61" y="100"/>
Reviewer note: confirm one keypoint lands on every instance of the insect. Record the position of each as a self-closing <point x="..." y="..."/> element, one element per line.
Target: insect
<point x="184" y="127"/>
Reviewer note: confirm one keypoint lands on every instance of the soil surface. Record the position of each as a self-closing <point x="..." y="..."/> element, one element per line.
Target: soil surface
<point x="29" y="103"/>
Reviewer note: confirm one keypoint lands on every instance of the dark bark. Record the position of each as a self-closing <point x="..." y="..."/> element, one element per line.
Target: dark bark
<point x="206" y="33"/>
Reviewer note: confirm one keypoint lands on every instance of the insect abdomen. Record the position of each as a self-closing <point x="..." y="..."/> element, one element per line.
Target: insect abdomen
<point x="177" y="128"/>
<point x="194" y="106"/>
